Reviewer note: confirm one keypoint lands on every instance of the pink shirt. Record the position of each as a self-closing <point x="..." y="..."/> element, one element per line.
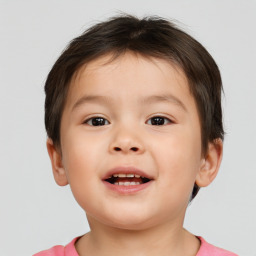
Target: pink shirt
<point x="70" y="250"/>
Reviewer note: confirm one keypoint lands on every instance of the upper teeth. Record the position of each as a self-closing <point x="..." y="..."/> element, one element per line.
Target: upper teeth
<point x="129" y="175"/>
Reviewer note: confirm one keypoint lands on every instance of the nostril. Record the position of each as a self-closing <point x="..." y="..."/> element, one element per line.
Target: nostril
<point x="135" y="149"/>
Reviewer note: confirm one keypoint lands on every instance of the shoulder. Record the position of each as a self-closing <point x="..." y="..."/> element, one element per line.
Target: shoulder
<point x="60" y="250"/>
<point x="57" y="250"/>
<point x="207" y="249"/>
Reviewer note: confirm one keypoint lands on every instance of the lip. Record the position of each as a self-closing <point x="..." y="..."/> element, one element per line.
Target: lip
<point x="127" y="190"/>
<point x="126" y="170"/>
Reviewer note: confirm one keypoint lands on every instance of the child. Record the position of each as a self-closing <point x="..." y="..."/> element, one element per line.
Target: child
<point x="134" y="123"/>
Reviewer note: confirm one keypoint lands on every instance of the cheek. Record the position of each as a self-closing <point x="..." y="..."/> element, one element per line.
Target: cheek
<point x="80" y="164"/>
<point x="80" y="154"/>
<point x="81" y="149"/>
<point x="179" y="159"/>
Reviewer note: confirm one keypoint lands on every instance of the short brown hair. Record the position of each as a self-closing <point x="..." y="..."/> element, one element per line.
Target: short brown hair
<point x="149" y="37"/>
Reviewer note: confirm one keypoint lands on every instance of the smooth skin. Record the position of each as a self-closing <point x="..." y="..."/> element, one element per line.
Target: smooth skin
<point x="127" y="95"/>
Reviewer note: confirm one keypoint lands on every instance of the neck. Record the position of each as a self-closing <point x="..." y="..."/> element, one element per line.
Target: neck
<point x="163" y="240"/>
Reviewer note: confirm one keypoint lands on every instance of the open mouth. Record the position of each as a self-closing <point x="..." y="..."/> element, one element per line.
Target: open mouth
<point x="129" y="179"/>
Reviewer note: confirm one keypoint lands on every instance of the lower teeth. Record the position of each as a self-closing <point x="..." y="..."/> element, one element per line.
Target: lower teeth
<point x="127" y="183"/>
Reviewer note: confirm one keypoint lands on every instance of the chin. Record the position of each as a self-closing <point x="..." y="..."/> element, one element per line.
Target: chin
<point x="127" y="217"/>
<point x="131" y="226"/>
<point x="130" y="222"/>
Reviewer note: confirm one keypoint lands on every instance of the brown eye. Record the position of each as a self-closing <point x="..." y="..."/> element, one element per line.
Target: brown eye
<point x="159" y="120"/>
<point x="97" y="121"/>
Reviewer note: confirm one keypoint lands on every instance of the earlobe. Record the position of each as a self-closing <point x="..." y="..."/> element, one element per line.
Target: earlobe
<point x="210" y="164"/>
<point x="57" y="166"/>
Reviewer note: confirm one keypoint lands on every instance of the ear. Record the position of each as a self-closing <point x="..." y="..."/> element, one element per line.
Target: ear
<point x="57" y="166"/>
<point x="210" y="164"/>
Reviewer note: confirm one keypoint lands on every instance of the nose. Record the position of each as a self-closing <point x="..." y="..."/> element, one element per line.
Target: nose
<point x="127" y="141"/>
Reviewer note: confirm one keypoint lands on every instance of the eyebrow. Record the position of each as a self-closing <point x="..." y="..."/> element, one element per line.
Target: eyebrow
<point x="91" y="98"/>
<point x="147" y="100"/>
<point x="169" y="98"/>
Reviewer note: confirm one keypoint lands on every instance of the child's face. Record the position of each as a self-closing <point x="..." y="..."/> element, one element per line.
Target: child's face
<point x="127" y="95"/>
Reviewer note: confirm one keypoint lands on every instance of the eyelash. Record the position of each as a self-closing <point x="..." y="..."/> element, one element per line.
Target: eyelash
<point x="162" y="117"/>
<point x="92" y="118"/>
<point x="104" y="119"/>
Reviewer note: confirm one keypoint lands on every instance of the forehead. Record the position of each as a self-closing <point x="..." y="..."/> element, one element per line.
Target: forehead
<point x="129" y="72"/>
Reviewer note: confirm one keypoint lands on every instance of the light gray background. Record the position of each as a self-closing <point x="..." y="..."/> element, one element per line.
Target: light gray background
<point x="35" y="213"/>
